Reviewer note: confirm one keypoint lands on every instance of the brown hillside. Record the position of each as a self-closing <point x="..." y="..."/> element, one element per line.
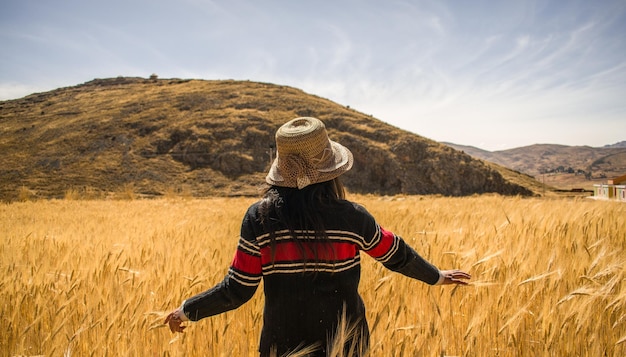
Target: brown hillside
<point x="559" y="165"/>
<point x="152" y="136"/>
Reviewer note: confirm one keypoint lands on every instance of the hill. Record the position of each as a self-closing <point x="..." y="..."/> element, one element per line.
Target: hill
<point x="559" y="165"/>
<point x="621" y="144"/>
<point x="154" y="136"/>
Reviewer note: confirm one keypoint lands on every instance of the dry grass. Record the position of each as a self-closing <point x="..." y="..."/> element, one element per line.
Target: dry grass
<point x="95" y="278"/>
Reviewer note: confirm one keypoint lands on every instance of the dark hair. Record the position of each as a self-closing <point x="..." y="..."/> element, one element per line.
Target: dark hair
<point x="301" y="210"/>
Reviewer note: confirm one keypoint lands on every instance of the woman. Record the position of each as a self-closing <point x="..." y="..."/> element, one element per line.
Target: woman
<point x="304" y="240"/>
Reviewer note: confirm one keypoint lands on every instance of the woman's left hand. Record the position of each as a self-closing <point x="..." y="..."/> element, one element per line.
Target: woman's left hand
<point x="175" y="320"/>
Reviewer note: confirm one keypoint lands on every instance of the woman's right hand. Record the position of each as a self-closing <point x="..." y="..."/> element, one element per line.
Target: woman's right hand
<point x="454" y="277"/>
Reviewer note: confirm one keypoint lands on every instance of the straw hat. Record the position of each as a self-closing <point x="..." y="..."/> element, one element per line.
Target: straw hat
<point x="306" y="156"/>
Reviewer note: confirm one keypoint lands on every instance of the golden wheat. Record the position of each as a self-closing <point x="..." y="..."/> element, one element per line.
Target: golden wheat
<point x="96" y="278"/>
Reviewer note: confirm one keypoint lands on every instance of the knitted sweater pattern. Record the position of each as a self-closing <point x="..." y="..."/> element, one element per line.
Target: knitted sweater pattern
<point x="308" y="284"/>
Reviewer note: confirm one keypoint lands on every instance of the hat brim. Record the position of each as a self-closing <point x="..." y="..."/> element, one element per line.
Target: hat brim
<point x="342" y="162"/>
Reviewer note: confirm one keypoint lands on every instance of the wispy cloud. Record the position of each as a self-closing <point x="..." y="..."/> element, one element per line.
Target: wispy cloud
<point x="453" y="71"/>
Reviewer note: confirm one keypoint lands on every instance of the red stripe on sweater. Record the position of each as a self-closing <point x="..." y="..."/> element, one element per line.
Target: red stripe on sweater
<point x="290" y="251"/>
<point x="247" y="263"/>
<point x="386" y="242"/>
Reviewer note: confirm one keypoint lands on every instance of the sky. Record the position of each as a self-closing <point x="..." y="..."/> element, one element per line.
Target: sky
<point x="490" y="74"/>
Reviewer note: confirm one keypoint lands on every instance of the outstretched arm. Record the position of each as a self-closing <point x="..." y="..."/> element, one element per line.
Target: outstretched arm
<point x="397" y="255"/>
<point x="225" y="296"/>
<point x="238" y="286"/>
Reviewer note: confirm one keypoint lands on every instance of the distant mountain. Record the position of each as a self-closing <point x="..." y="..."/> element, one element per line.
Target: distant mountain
<point x="621" y="144"/>
<point x="566" y="166"/>
<point x="153" y="136"/>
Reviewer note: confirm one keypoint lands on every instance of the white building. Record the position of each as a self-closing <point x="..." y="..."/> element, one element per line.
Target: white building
<point x="614" y="189"/>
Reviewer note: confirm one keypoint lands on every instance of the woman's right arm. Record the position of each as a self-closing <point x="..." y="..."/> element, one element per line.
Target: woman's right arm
<point x="395" y="254"/>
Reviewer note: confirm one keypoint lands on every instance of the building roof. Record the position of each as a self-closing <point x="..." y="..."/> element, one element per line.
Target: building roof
<point x="617" y="180"/>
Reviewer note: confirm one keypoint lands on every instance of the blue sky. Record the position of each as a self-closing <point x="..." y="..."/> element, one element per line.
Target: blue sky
<point x="492" y="74"/>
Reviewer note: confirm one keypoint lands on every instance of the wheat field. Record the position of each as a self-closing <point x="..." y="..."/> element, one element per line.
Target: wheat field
<point x="96" y="278"/>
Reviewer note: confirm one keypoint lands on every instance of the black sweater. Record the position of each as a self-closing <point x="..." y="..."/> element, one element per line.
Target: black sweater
<point x="308" y="285"/>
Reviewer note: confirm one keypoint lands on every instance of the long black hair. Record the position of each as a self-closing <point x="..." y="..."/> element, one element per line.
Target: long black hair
<point x="301" y="210"/>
